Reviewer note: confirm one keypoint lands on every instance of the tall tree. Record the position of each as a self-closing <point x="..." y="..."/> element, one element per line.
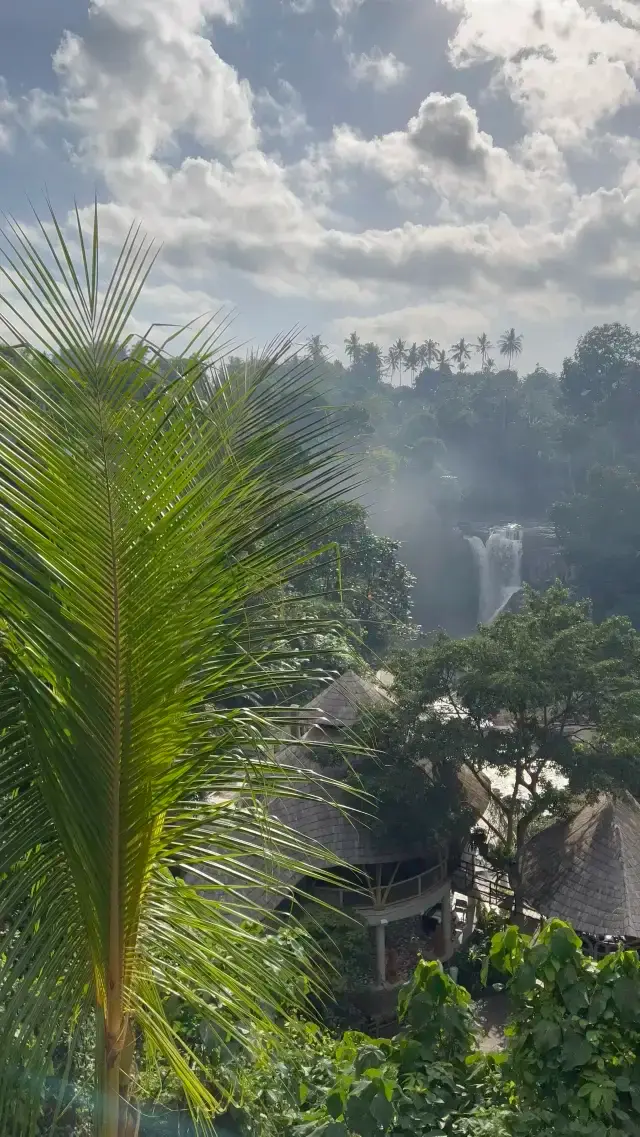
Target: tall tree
<point x="139" y="522"/>
<point x="543" y="700"/>
<point x="316" y="349"/>
<point x="353" y="347"/>
<point x="392" y="361"/>
<point x="510" y="345"/>
<point x="483" y="347"/>
<point x="461" y="353"/>
<point x="400" y="349"/>
<point x="413" y="360"/>
<point x="429" y="352"/>
<point x="372" y="359"/>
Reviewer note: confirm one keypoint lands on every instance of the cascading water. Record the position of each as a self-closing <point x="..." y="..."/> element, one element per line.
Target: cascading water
<point x="499" y="569"/>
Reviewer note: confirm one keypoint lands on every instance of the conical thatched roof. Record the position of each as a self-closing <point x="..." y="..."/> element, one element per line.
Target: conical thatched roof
<point x="586" y="869"/>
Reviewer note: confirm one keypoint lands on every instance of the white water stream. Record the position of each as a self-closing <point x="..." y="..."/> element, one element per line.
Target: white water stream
<point x="499" y="569"/>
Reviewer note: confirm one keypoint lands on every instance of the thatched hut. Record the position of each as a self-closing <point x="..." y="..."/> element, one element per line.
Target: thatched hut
<point x="586" y="869"/>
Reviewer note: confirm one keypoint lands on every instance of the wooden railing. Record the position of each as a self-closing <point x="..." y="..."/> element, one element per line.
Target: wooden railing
<point x="380" y="895"/>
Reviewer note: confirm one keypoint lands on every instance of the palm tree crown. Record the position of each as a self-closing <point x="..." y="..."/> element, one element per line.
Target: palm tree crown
<point x="461" y="353"/>
<point x="510" y="345"/>
<point x="429" y="352"/>
<point x="140" y="524"/>
<point x="353" y="347"/>
<point x="483" y="346"/>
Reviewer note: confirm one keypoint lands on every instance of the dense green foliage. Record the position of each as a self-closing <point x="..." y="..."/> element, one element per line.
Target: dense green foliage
<point x="570" y="1065"/>
<point x="514" y="699"/>
<point x="452" y="448"/>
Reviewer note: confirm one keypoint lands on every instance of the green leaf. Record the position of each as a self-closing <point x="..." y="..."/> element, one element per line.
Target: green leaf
<point x="575" y="998"/>
<point x="335" y="1104"/>
<point x="382" y="1110"/>
<point x="576" y="1051"/>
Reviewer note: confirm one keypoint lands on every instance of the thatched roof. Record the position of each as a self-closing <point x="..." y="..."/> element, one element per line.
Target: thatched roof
<point x="586" y="869"/>
<point x="334" y="819"/>
<point x="338" y="708"/>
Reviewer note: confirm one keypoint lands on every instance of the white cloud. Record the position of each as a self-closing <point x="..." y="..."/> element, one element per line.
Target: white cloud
<point x="381" y="70"/>
<point x="344" y="8"/>
<point x="283" y="117"/>
<point x="8" y="112"/>
<point x="180" y="139"/>
<point x="143" y="72"/>
<point x="566" y="64"/>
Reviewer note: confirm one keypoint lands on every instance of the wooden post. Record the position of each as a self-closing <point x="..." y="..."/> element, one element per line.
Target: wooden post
<point x="381" y="954"/>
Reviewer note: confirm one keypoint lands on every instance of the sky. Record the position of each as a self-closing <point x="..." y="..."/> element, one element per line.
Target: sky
<point x="414" y="168"/>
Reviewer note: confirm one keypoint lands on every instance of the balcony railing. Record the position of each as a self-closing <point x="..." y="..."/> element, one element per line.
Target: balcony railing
<point x="380" y="895"/>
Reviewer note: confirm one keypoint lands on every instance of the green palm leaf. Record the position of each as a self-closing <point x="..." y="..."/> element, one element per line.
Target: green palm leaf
<point x="145" y="513"/>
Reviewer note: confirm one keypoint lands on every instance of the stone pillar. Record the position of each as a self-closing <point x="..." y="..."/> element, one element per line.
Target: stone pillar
<point x="381" y="954"/>
<point x="447" y="924"/>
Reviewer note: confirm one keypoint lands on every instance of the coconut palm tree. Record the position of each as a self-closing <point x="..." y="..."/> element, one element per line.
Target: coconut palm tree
<point x="441" y="360"/>
<point x="400" y="349"/>
<point x="141" y="520"/>
<point x="353" y="347"/>
<point x="393" y="361"/>
<point x="461" y="353"/>
<point x="429" y="352"/>
<point x="489" y="365"/>
<point x="373" y="359"/>
<point x="316" y="349"/>
<point x="483" y="346"/>
<point x="413" y="360"/>
<point x="510" y="345"/>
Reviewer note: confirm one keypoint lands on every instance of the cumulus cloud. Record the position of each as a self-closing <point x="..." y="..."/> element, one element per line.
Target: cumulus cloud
<point x="446" y="128"/>
<point x="143" y="72"/>
<point x="185" y="145"/>
<point x="567" y="65"/>
<point x="382" y="70"/>
<point x="282" y="115"/>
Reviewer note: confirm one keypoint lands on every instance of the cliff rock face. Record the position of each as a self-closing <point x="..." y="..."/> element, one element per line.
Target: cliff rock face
<point x="542" y="563"/>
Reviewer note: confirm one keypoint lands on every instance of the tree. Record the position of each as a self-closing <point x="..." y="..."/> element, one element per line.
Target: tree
<point x="461" y="353"/>
<point x="413" y="360"/>
<point x="372" y="360"/>
<point x="515" y="700"/>
<point x="429" y="352"/>
<point x="353" y="348"/>
<point x="316" y="349"/>
<point x="361" y="570"/>
<point x="572" y="1057"/>
<point x="139" y="523"/>
<point x="393" y="361"/>
<point x="510" y="345"/>
<point x="400" y="350"/>
<point x="599" y="534"/>
<point x="483" y="347"/>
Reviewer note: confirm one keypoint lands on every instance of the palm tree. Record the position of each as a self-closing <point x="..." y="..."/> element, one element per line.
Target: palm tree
<point x="140" y="523"/>
<point x="316" y="349"/>
<point x="489" y="366"/>
<point x="353" y="347"/>
<point x="373" y="359"/>
<point x="393" y="362"/>
<point x="441" y="360"/>
<point x="413" y="360"/>
<point x="429" y="352"/>
<point x="483" y="347"/>
<point x="400" y="350"/>
<point x="461" y="353"/>
<point x="510" y="345"/>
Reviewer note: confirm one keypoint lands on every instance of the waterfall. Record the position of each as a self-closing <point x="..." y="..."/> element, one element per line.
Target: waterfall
<point x="499" y="569"/>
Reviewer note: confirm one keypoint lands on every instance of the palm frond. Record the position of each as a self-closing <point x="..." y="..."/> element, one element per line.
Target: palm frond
<point x="141" y="516"/>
